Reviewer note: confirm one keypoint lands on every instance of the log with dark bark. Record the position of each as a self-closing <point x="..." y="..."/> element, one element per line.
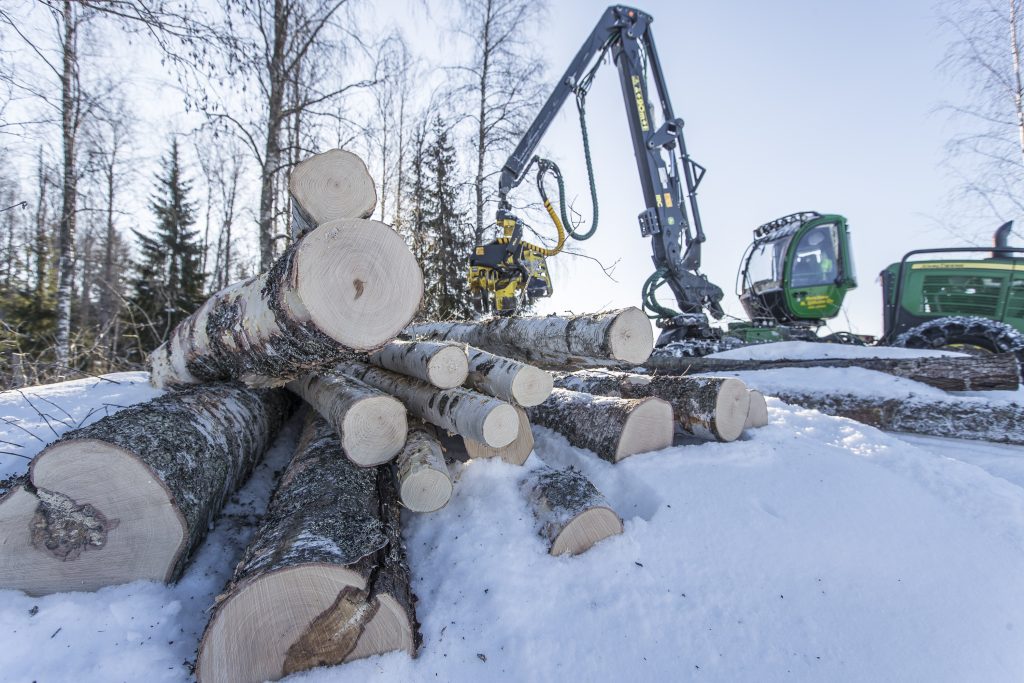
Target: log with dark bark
<point x="507" y="379"/>
<point x="570" y="512"/>
<point x="441" y="364"/>
<point x="370" y="423"/>
<point x="958" y="419"/>
<point x="131" y="496"/>
<point x="613" y="428"/>
<point x="706" y="408"/>
<point x="350" y="285"/>
<point x="424" y="484"/>
<point x="514" y="453"/>
<point x="457" y="410"/>
<point x="757" y="414"/>
<point x="952" y="373"/>
<point x="333" y="184"/>
<point x="325" y="579"/>
<point x="612" y="338"/>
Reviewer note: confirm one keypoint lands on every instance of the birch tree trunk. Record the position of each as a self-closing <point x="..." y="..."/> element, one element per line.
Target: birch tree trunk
<point x="457" y="410"/>
<point x="351" y="285"/>
<point x="370" y="424"/>
<point x="131" y="496"/>
<point x="569" y="510"/>
<point x="325" y="579"/>
<point x="613" y="428"/>
<point x="440" y="364"/>
<point x="611" y="338"/>
<point x="327" y="186"/>
<point x="421" y="472"/>
<point x="507" y="379"/>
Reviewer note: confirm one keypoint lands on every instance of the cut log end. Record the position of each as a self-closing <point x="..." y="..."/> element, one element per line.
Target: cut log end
<point x="630" y="337"/>
<point x="374" y="430"/>
<point x="585" y="529"/>
<point x="360" y="282"/>
<point x="501" y="426"/>
<point x="649" y="427"/>
<point x="448" y="368"/>
<point x="531" y="386"/>
<point x="514" y="453"/>
<point x="334" y="184"/>
<point x="757" y="413"/>
<point x="731" y="408"/>
<point x="426" y="490"/>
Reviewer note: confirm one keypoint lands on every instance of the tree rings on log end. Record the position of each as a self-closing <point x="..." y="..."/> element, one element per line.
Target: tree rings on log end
<point x="448" y="367"/>
<point x="757" y="413"/>
<point x="531" y="386"/>
<point x="731" y="408"/>
<point x="425" y="490"/>
<point x="630" y="337"/>
<point x="649" y="427"/>
<point x="333" y="184"/>
<point x="374" y="430"/>
<point x="514" y="453"/>
<point x="358" y="281"/>
<point x="501" y="426"/>
<point x="585" y="529"/>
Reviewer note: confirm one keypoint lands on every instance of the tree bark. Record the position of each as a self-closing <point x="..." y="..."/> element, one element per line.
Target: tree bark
<point x="569" y="510"/>
<point x="613" y="428"/>
<point x="508" y="379"/>
<point x="441" y="364"/>
<point x="351" y="285"/>
<point x="421" y="472"/>
<point x="955" y="419"/>
<point x="514" y="453"/>
<point x="706" y="408"/>
<point x="951" y="373"/>
<point x="460" y="411"/>
<point x="69" y="210"/>
<point x="325" y="579"/>
<point x="611" y="338"/>
<point x="131" y="496"/>
<point x="327" y="186"/>
<point x="370" y="424"/>
<point x="757" y="414"/>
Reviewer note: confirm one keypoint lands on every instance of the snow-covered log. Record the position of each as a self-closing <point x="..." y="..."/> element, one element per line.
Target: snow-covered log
<point x="707" y="408"/>
<point x="370" y="423"/>
<point x="351" y="285"/>
<point x="570" y="512"/>
<point x="514" y="453"/>
<point x="442" y="364"/>
<point x="611" y="427"/>
<point x="757" y="413"/>
<point x="507" y="379"/>
<point x="330" y="185"/>
<point x="458" y="410"/>
<point x="983" y="421"/>
<point x="611" y="338"/>
<point x="951" y="373"/>
<point x="131" y="496"/>
<point x="325" y="579"/>
<point x="424" y="484"/>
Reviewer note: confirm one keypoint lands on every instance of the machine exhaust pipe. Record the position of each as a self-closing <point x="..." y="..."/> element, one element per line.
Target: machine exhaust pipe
<point x="1001" y="240"/>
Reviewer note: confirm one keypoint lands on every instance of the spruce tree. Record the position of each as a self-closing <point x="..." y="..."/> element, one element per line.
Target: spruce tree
<point x="168" y="285"/>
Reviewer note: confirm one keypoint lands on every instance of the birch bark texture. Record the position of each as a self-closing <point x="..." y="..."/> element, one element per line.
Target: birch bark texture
<point x="421" y="472"/>
<point x="569" y="510"/>
<point x="705" y="408"/>
<point x="457" y="410"/>
<point x="350" y="285"/>
<point x="131" y="496"/>
<point x="327" y="186"/>
<point x="610" y="338"/>
<point x="613" y="428"/>
<point x="441" y="364"/>
<point x="507" y="379"/>
<point x="319" y="584"/>
<point x="370" y="424"/>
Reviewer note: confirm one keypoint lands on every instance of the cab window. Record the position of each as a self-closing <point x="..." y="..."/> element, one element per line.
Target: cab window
<point x="815" y="258"/>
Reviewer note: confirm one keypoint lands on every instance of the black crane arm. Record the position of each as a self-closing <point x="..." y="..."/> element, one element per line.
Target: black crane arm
<point x="662" y="161"/>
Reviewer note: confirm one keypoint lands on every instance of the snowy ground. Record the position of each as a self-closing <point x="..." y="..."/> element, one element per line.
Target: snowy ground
<point x="817" y="549"/>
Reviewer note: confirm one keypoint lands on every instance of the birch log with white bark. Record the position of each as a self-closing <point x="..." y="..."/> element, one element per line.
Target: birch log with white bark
<point x="325" y="579"/>
<point x="330" y="185"/>
<point x="569" y="510"/>
<point x="424" y="484"/>
<point x="611" y="338"/>
<point x="507" y="379"/>
<point x="370" y="423"/>
<point x="514" y="453"/>
<point x="458" y="410"/>
<point x="443" y="365"/>
<point x="707" y="408"/>
<point x="757" y="414"/>
<point x="131" y="496"/>
<point x="613" y="428"/>
<point x="351" y="285"/>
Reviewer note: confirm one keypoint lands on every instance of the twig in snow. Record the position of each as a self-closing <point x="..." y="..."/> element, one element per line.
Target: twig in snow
<point x="15" y="424"/>
<point x="17" y="455"/>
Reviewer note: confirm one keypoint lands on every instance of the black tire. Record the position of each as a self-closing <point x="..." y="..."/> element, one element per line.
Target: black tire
<point x="968" y="335"/>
